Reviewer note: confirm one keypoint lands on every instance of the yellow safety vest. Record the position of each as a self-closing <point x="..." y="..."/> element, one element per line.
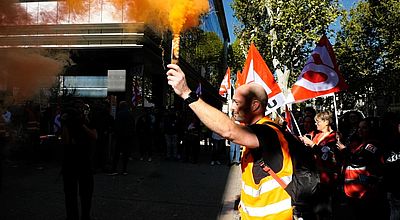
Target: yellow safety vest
<point x="266" y="200"/>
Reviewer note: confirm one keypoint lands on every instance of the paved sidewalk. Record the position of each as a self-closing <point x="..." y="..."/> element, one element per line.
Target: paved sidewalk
<point x="153" y="190"/>
<point x="232" y="191"/>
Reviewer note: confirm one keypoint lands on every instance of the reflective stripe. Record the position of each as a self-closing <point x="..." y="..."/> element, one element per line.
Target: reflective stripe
<point x="265" y="187"/>
<point x="356" y="168"/>
<point x="266" y="199"/>
<point x="268" y="209"/>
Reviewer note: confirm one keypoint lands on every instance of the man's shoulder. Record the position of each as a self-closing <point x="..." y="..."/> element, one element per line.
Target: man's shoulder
<point x="265" y="133"/>
<point x="267" y="126"/>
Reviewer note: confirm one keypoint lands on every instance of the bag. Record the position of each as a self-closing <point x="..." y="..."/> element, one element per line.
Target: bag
<point x="305" y="182"/>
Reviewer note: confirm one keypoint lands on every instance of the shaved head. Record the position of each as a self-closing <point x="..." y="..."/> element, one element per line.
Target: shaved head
<point x="249" y="103"/>
<point x="254" y="91"/>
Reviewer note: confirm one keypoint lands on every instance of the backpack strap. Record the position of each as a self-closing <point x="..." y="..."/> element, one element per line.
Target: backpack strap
<point x="267" y="169"/>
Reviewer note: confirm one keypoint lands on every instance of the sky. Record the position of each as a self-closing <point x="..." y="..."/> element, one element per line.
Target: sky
<point x="231" y="20"/>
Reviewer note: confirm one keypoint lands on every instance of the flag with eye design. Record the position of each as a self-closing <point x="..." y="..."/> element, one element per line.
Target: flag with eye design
<point x="320" y="75"/>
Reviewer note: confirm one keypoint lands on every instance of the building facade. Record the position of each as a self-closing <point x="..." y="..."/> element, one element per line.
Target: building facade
<point x="111" y="54"/>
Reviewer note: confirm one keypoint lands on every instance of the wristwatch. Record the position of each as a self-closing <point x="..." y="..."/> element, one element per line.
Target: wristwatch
<point x="191" y="98"/>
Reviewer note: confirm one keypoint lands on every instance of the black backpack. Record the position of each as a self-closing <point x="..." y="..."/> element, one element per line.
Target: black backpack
<point x="305" y="182"/>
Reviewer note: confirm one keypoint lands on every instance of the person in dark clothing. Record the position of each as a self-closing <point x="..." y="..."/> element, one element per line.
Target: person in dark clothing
<point x="104" y="126"/>
<point x="78" y="135"/>
<point x="218" y="145"/>
<point x="363" y="191"/>
<point x="145" y="129"/>
<point x="2" y="143"/>
<point x="192" y="140"/>
<point x="171" y="135"/>
<point x="390" y="137"/>
<point x="124" y="132"/>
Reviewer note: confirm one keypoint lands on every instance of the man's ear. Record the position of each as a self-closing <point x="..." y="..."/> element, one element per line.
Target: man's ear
<point x="255" y="105"/>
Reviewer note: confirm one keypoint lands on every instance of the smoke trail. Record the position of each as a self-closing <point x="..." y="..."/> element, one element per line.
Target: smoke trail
<point x="25" y="69"/>
<point x="174" y="15"/>
<point x="28" y="71"/>
<point x="12" y="13"/>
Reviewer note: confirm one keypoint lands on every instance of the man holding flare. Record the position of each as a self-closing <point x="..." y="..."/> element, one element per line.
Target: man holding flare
<point x="261" y="196"/>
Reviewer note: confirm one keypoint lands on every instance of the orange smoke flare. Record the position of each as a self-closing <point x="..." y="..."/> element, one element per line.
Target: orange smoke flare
<point x="174" y="15"/>
<point x="175" y="49"/>
<point x="162" y="15"/>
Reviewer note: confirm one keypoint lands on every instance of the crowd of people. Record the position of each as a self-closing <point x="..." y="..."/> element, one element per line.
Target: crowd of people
<point x="357" y="160"/>
<point x="92" y="140"/>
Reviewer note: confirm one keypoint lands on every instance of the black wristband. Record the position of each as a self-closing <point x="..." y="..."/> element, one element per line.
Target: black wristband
<point x="191" y="98"/>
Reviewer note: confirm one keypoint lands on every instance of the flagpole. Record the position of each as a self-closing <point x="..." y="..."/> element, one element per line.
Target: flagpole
<point x="295" y="122"/>
<point x="336" y="114"/>
<point x="287" y="126"/>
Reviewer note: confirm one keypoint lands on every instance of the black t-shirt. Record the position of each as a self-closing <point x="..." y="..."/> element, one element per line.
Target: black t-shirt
<point x="269" y="149"/>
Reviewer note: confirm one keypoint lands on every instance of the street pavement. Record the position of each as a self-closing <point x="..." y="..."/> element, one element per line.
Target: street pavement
<point x="159" y="189"/>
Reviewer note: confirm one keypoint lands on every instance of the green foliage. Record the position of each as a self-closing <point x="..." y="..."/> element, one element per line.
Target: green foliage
<point x="204" y="49"/>
<point x="368" y="49"/>
<point x="236" y="57"/>
<point x="284" y="30"/>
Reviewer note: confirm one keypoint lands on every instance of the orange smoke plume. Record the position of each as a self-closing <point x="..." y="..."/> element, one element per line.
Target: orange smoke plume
<point x="28" y="71"/>
<point x="12" y="13"/>
<point x="174" y="15"/>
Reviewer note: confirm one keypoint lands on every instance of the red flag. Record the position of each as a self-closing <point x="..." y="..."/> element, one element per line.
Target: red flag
<point x="240" y="80"/>
<point x="225" y="86"/>
<point x="288" y="119"/>
<point x="320" y="76"/>
<point x="256" y="70"/>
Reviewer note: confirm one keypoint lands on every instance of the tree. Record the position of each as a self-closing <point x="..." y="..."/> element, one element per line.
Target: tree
<point x="236" y="57"/>
<point x="204" y="50"/>
<point x="284" y="31"/>
<point x="368" y="49"/>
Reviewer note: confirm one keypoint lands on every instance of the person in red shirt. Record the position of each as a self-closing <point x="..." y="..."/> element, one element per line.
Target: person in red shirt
<point x="363" y="190"/>
<point x="323" y="143"/>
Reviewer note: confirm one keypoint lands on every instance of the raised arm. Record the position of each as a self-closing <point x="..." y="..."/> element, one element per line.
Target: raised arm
<point x="214" y="119"/>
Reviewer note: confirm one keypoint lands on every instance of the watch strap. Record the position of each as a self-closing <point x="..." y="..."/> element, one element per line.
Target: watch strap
<point x="191" y="98"/>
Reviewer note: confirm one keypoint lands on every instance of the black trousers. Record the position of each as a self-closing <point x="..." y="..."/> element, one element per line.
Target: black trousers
<point x="192" y="148"/>
<point x="82" y="181"/>
<point x="123" y="146"/>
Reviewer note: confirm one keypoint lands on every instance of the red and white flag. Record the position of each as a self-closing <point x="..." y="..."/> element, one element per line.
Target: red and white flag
<point x="240" y="80"/>
<point x="225" y="87"/>
<point x="320" y="76"/>
<point x="256" y="70"/>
